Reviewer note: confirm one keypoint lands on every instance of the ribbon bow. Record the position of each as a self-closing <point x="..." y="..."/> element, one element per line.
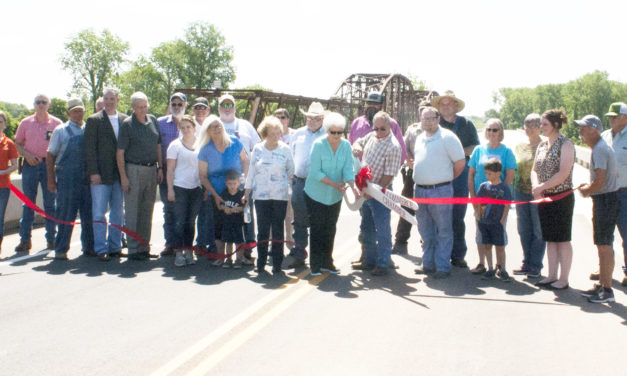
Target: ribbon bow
<point x="362" y="177"/>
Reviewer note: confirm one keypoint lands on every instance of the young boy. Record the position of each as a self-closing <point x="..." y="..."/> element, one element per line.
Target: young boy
<point x="492" y="218"/>
<point x="233" y="223"/>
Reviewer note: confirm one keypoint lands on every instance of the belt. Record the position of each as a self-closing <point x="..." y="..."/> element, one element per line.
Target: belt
<point x="149" y="164"/>
<point x="299" y="178"/>
<point x="622" y="189"/>
<point x="433" y="185"/>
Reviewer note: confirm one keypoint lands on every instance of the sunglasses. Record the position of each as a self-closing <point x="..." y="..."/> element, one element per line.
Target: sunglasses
<point x="227" y="105"/>
<point x="176" y="104"/>
<point x="492" y="130"/>
<point x="41" y="102"/>
<point x="200" y="107"/>
<point x="282" y="117"/>
<point x="335" y="132"/>
<point x="382" y="129"/>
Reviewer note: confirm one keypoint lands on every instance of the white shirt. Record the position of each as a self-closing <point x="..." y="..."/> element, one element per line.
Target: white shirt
<point x="115" y="123"/>
<point x="245" y="132"/>
<point x="186" y="171"/>
<point x="270" y="172"/>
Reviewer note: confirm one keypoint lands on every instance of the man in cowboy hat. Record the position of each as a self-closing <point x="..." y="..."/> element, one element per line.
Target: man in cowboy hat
<point x="300" y="145"/>
<point x="449" y="105"/>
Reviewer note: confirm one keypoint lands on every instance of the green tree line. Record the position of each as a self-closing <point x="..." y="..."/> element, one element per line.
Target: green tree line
<point x="591" y="93"/>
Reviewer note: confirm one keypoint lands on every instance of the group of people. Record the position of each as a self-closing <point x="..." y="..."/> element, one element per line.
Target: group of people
<point x="218" y="176"/>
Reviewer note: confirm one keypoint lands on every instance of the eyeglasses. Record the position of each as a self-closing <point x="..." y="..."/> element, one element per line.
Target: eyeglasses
<point x="335" y="132"/>
<point x="200" y="107"/>
<point x="41" y="102"/>
<point x="176" y="104"/>
<point x="227" y="105"/>
<point x="382" y="129"/>
<point x="282" y="117"/>
<point x="492" y="130"/>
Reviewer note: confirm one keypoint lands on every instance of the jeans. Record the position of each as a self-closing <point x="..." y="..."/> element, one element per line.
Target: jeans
<point x="205" y="226"/>
<point x="376" y="233"/>
<point x="73" y="197"/>
<point x="270" y="217"/>
<point x="168" y="213"/>
<point x="622" y="224"/>
<point x="104" y="198"/>
<point x="31" y="177"/>
<point x="460" y="189"/>
<point x="186" y="207"/>
<point x="403" y="230"/>
<point x="435" y="228"/>
<point x="301" y="220"/>
<point x="323" y="219"/>
<point x="4" y="200"/>
<point x="530" y="232"/>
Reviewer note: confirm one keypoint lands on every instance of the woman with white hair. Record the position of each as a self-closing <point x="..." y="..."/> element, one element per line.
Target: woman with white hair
<point x="331" y="169"/>
<point x="269" y="176"/>
<point x="218" y="153"/>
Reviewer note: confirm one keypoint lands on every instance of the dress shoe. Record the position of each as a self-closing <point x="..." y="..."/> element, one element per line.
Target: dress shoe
<point x="362" y="266"/>
<point x="50" y="245"/>
<point x="297" y="263"/>
<point x="61" y="256"/>
<point x="104" y="257"/>
<point x="24" y="247"/>
<point x="167" y="251"/>
<point x="117" y="254"/>
<point x="544" y="284"/>
<point x="89" y="253"/>
<point x="138" y="256"/>
<point x="378" y="272"/>
<point x="459" y="263"/>
<point x="423" y="270"/>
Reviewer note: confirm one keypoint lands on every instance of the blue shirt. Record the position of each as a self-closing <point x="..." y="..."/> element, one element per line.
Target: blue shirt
<point x="337" y="167"/>
<point x="60" y="138"/>
<point x="480" y="156"/>
<point x="492" y="213"/>
<point x="169" y="132"/>
<point x="300" y="145"/>
<point x="220" y="163"/>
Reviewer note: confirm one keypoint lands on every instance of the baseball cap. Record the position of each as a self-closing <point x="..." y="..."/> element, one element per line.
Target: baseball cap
<point x="75" y="103"/>
<point x="201" y="101"/>
<point x="226" y="97"/>
<point x="618" y="108"/>
<point x="590" y="121"/>
<point x="178" y="95"/>
<point x="374" y="97"/>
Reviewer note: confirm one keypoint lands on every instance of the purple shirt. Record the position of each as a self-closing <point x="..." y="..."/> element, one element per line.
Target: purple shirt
<point x="361" y="127"/>
<point x="169" y="133"/>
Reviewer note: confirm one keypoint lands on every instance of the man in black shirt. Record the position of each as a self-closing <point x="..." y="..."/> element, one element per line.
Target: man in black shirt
<point x="449" y="105"/>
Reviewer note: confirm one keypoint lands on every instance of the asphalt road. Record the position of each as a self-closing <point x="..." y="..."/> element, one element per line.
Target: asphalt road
<point x="85" y="317"/>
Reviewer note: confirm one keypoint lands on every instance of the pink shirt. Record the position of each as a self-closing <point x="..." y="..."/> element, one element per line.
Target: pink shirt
<point x="35" y="135"/>
<point x="361" y="128"/>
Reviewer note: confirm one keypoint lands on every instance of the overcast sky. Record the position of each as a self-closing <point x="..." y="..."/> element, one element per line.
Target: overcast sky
<point x="308" y="47"/>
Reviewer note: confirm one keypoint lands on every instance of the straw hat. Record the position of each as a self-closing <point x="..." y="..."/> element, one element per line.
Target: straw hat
<point x="435" y="102"/>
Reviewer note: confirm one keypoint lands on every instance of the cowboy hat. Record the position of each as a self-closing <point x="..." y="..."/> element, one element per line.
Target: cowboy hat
<point x="435" y="102"/>
<point x="315" y="109"/>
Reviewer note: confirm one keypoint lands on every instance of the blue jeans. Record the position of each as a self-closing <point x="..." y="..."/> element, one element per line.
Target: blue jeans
<point x="205" y="226"/>
<point x="104" y="198"/>
<point x="73" y="198"/>
<point x="168" y="213"/>
<point x="186" y="206"/>
<point x="4" y="200"/>
<point x="530" y="232"/>
<point x="622" y="224"/>
<point x="376" y="233"/>
<point x="435" y="228"/>
<point x="460" y="189"/>
<point x="301" y="220"/>
<point x="31" y="177"/>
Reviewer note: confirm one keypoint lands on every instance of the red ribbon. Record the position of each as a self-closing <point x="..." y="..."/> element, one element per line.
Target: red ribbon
<point x="362" y="177"/>
<point x="485" y="200"/>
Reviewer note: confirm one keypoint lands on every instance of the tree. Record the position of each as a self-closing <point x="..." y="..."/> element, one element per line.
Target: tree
<point x="416" y="82"/>
<point x="145" y="77"/>
<point x="58" y="108"/>
<point x="169" y="59"/>
<point x="93" y="60"/>
<point x="207" y="57"/>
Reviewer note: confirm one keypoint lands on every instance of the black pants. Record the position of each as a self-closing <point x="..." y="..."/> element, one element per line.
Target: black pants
<point x="186" y="205"/>
<point x="403" y="230"/>
<point x="270" y="216"/>
<point x="323" y="223"/>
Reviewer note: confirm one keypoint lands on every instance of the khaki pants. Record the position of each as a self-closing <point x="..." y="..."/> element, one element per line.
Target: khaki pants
<point x="138" y="205"/>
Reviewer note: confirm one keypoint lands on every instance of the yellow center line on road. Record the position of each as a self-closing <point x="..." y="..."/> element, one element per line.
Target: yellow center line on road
<point x="237" y="320"/>
<point x="261" y="322"/>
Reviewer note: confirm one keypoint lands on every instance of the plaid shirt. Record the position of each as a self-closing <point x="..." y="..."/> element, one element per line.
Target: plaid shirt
<point x="382" y="155"/>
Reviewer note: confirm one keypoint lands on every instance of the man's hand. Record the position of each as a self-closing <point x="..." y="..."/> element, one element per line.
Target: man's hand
<point x="32" y="160"/>
<point x="52" y="185"/>
<point x="125" y="184"/>
<point x="170" y="195"/>
<point x="95" y="179"/>
<point x="159" y="176"/>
